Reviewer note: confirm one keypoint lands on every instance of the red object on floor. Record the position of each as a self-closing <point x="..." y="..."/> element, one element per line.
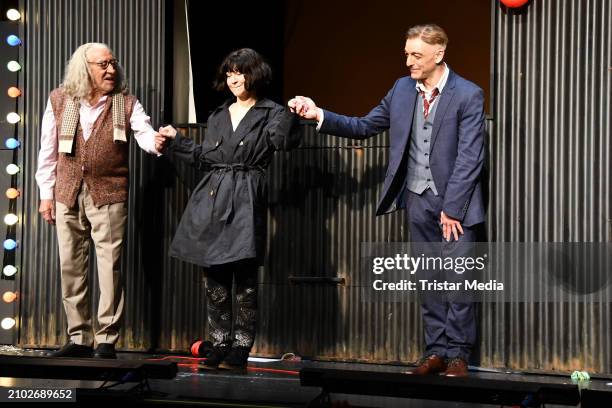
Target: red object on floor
<point x="195" y="348"/>
<point x="514" y="3"/>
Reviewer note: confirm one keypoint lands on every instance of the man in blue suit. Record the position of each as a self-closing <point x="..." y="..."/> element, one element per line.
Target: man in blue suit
<point x="436" y="128"/>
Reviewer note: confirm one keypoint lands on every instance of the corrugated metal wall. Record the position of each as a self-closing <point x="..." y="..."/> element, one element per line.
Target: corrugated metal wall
<point x="323" y="198"/>
<point x="549" y="180"/>
<point x="54" y="29"/>
<point x="550" y="154"/>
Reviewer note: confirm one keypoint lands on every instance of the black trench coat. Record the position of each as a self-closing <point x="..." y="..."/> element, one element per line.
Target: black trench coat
<point x="225" y="219"/>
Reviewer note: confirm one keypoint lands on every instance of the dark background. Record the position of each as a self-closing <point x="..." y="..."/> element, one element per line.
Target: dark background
<point x="217" y="27"/>
<point x="345" y="54"/>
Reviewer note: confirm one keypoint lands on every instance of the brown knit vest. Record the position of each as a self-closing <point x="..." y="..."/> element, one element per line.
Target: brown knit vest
<point x="100" y="162"/>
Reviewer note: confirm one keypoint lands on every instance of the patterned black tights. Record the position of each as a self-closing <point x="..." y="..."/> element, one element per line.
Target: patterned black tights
<point x="226" y="331"/>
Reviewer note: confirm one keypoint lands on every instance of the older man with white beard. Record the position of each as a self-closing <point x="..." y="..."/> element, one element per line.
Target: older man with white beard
<point x="83" y="180"/>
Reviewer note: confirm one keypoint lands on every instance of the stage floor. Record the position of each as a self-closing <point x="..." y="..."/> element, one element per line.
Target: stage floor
<point x="267" y="382"/>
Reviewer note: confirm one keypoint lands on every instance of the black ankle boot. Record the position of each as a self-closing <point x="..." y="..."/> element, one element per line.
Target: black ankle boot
<point x="236" y="360"/>
<point x="214" y="357"/>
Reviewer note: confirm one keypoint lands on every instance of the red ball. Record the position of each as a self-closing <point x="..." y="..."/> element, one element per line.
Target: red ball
<point x="514" y="3"/>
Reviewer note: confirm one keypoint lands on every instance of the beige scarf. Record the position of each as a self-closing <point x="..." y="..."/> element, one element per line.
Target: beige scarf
<point x="70" y="121"/>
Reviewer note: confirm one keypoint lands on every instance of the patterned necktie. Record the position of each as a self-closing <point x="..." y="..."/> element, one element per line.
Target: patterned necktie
<point x="427" y="103"/>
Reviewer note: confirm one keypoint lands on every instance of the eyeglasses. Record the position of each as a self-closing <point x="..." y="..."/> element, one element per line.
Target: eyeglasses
<point x="105" y="64"/>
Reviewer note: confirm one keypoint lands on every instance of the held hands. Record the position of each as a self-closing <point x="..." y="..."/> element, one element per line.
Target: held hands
<point x="161" y="138"/>
<point x="305" y="107"/>
<point x="47" y="210"/>
<point x="450" y="227"/>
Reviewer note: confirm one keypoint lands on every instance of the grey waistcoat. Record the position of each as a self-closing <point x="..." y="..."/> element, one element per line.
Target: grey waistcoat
<point x="419" y="178"/>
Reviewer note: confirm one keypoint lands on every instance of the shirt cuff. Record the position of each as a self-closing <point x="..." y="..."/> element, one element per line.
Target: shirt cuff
<point x="153" y="150"/>
<point x="319" y="123"/>
<point x="46" y="194"/>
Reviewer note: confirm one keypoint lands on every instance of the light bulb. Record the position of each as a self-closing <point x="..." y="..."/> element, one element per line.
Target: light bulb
<point x="13" y="40"/>
<point x="8" y="323"/>
<point x="12" y="143"/>
<point x="12" y="169"/>
<point x="13" y="118"/>
<point x="13" y="66"/>
<point x="10" y="244"/>
<point x="13" y="14"/>
<point x="9" y="270"/>
<point x="11" y="219"/>
<point x="13" y="92"/>
<point x="9" y="296"/>
<point x="12" y="193"/>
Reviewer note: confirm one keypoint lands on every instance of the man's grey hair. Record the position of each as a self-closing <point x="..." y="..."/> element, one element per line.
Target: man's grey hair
<point x="77" y="81"/>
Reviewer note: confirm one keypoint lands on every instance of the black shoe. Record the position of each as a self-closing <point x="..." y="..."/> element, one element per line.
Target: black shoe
<point x="236" y="360"/>
<point x="71" y="349"/>
<point x="105" y="350"/>
<point x="214" y="357"/>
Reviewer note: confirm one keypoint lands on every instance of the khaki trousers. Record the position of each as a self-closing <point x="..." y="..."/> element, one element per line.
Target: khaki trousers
<point x="106" y="227"/>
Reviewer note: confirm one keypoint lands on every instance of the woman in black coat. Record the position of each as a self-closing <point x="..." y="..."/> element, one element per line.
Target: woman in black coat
<point x="223" y="228"/>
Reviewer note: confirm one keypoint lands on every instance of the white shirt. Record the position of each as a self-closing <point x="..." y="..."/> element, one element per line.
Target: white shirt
<point x="47" y="157"/>
<point x="440" y="85"/>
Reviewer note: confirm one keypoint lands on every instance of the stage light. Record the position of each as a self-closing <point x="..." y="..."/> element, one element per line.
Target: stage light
<point x="10" y="219"/>
<point x="13" y="40"/>
<point x="9" y="296"/>
<point x="13" y="118"/>
<point x="13" y="66"/>
<point x="12" y="169"/>
<point x="12" y="143"/>
<point x="13" y="92"/>
<point x="10" y="244"/>
<point x="12" y="193"/>
<point x="8" y="323"/>
<point x="9" y="270"/>
<point x="13" y="15"/>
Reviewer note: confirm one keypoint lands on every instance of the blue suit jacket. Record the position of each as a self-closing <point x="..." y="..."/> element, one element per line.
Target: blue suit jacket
<point x="457" y="144"/>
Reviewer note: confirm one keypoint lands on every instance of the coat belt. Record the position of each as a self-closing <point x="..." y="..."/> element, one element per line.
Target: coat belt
<point x="233" y="168"/>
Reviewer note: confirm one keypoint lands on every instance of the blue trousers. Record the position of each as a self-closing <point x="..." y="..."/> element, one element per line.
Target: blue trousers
<point x="449" y="326"/>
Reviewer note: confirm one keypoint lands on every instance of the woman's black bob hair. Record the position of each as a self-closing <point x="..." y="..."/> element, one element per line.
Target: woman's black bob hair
<point x="257" y="73"/>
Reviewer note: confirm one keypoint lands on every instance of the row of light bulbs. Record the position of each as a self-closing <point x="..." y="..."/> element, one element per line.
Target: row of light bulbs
<point x="12" y="169"/>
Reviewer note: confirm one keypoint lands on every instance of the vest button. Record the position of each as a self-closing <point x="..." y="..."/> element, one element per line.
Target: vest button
<point x="428" y="179"/>
<point x="212" y="192"/>
<point x="425" y="140"/>
<point x="427" y="167"/>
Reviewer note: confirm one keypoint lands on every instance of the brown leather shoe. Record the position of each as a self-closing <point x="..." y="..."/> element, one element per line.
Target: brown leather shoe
<point x="429" y="365"/>
<point x="457" y="367"/>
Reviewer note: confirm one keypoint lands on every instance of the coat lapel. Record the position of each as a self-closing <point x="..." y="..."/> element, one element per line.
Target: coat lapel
<point x="257" y="113"/>
<point x="445" y="99"/>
